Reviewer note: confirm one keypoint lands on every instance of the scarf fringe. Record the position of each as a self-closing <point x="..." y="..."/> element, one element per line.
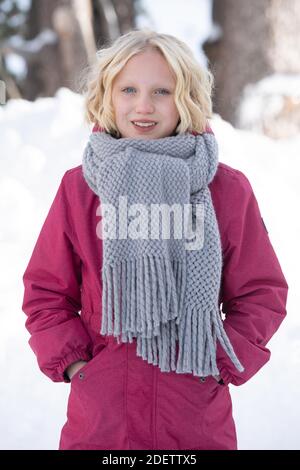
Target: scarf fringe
<point x="152" y="312"/>
<point x="151" y="285"/>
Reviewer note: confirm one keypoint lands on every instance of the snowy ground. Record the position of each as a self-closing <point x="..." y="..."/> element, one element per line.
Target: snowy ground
<point x="39" y="142"/>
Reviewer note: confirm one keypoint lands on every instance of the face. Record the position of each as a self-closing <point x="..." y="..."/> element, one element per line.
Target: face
<point x="143" y="95"/>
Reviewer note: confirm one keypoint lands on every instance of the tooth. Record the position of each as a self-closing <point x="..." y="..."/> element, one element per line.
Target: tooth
<point x="144" y="124"/>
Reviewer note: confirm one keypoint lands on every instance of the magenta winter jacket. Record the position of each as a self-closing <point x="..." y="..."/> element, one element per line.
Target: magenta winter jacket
<point x="118" y="400"/>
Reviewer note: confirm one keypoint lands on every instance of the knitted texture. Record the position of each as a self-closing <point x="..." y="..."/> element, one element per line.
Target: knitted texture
<point x="158" y="290"/>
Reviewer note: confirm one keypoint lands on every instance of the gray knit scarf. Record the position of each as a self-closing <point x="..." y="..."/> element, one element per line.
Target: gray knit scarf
<point x="157" y="290"/>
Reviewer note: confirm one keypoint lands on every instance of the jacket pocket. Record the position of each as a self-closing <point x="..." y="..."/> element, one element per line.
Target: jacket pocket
<point x="81" y="373"/>
<point x="100" y="388"/>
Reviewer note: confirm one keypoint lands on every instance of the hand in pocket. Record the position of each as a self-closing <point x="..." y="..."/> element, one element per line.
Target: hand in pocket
<point x="74" y="368"/>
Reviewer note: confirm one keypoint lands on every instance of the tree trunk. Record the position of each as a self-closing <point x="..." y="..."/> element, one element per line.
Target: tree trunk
<point x="258" y="39"/>
<point x="62" y="37"/>
<point x="239" y="56"/>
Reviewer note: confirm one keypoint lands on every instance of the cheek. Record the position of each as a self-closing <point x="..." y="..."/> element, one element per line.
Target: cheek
<point x="173" y="111"/>
<point x="172" y="107"/>
<point x="122" y="108"/>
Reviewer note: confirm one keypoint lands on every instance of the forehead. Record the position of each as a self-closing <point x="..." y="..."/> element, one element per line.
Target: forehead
<point x="147" y="66"/>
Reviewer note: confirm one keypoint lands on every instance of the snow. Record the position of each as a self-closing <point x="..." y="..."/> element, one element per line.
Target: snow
<point x="265" y="99"/>
<point x="39" y="142"/>
<point x="16" y="65"/>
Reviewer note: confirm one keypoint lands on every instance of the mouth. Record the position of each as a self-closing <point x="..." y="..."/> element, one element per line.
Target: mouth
<point x="144" y="126"/>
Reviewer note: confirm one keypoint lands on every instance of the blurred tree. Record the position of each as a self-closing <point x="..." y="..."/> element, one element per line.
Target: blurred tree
<point x="12" y="19"/>
<point x="252" y="41"/>
<point x="59" y="38"/>
<point x="60" y="50"/>
<point x="9" y="12"/>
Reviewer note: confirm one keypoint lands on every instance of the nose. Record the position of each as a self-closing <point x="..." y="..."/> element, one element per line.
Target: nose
<point x="144" y="104"/>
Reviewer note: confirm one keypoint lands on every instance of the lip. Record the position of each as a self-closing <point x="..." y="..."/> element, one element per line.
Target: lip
<point x="143" y="120"/>
<point x="144" y="130"/>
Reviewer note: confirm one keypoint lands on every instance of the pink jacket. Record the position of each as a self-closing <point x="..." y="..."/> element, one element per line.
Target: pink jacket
<point x="118" y="400"/>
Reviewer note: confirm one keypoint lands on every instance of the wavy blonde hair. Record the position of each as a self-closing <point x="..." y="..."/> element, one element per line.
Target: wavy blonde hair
<point x="193" y="89"/>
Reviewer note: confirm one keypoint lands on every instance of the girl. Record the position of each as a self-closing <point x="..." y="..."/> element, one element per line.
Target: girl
<point x="149" y="357"/>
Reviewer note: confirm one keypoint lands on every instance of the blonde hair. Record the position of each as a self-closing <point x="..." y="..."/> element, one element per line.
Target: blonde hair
<point x="193" y="83"/>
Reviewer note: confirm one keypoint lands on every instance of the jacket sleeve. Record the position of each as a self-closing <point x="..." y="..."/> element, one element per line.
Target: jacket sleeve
<point x="254" y="289"/>
<point x="52" y="294"/>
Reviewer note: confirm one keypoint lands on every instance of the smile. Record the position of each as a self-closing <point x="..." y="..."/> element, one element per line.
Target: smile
<point x="144" y="124"/>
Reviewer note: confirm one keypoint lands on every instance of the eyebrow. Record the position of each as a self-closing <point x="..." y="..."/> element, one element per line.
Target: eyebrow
<point x="156" y="85"/>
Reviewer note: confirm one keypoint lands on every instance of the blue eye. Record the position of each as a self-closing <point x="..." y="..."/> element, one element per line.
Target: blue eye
<point x="128" y="88"/>
<point x="165" y="92"/>
<point x="162" y="91"/>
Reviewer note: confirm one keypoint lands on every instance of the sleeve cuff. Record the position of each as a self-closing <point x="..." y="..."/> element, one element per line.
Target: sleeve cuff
<point x="74" y="356"/>
<point x="225" y="377"/>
